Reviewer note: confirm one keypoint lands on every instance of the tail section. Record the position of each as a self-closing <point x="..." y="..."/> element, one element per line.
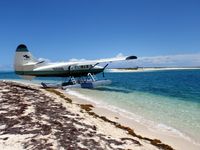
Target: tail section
<point x="24" y="61"/>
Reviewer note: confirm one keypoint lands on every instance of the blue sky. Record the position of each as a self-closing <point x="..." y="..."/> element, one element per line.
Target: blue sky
<point x="63" y="29"/>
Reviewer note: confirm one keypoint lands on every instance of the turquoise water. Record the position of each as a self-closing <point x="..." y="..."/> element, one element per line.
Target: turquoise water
<point x="168" y="101"/>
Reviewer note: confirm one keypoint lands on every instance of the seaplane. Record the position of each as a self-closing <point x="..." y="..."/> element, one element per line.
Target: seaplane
<point x="80" y="73"/>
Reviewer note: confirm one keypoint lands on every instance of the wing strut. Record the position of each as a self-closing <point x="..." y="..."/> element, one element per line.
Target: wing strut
<point x="104" y="69"/>
<point x="69" y="69"/>
<point x="93" y="66"/>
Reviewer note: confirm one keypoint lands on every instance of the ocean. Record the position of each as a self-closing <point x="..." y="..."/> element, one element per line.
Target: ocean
<point x="168" y="100"/>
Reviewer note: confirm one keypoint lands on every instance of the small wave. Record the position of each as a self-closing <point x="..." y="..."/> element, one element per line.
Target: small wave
<point x="81" y="96"/>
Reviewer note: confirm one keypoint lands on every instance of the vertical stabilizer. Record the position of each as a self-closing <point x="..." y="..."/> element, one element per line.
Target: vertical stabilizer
<point x="24" y="61"/>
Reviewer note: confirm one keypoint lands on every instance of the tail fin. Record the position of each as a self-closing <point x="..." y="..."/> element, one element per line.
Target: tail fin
<point x="24" y="61"/>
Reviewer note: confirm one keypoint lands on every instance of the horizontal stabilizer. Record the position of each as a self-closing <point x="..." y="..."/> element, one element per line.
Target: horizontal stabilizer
<point x="131" y="57"/>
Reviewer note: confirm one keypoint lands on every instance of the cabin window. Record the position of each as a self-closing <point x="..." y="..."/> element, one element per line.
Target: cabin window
<point x="85" y="66"/>
<point x="58" y="69"/>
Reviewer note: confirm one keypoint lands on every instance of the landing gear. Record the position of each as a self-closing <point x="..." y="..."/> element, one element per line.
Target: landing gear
<point x="90" y="81"/>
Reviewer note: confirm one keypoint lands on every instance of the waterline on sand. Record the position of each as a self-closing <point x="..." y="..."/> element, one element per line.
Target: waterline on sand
<point x="116" y="104"/>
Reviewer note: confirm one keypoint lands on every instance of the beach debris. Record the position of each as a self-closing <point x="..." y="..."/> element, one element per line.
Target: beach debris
<point x="32" y="119"/>
<point x="86" y="107"/>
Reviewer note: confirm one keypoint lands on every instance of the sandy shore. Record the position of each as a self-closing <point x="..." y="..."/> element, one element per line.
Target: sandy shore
<point x="35" y="118"/>
<point x="179" y="142"/>
<point x="150" y="69"/>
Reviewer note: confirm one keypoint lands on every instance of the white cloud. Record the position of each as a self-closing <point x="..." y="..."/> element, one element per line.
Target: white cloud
<point x="44" y="59"/>
<point x="119" y="55"/>
<point x="76" y="60"/>
<point x="181" y="60"/>
<point x="172" y="60"/>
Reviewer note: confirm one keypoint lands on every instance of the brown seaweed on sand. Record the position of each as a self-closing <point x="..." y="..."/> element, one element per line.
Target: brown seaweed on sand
<point x="88" y="108"/>
<point x="47" y="124"/>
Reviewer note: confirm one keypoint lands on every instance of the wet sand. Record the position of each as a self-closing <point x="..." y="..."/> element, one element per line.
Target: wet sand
<point x="168" y="137"/>
<point x="36" y="118"/>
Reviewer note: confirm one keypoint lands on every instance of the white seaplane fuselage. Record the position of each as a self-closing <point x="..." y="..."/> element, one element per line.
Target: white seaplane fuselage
<point x="28" y="67"/>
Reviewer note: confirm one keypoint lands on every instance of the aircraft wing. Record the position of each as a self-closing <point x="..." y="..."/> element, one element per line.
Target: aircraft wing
<point x="106" y="60"/>
<point x="65" y="65"/>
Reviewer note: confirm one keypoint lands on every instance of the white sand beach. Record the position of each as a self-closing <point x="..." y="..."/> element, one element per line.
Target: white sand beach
<point x="35" y="118"/>
<point x="109" y="129"/>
